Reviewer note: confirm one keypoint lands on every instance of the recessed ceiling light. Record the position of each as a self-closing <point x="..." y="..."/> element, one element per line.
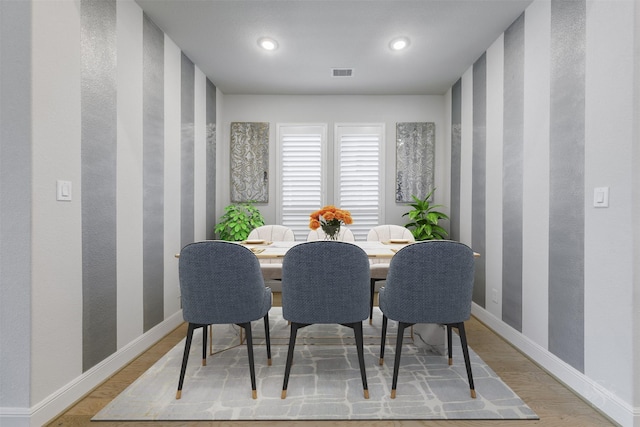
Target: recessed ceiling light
<point x="399" y="43"/>
<point x="267" y="43"/>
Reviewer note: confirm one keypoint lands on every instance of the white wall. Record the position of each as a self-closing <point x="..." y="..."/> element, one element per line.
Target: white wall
<point x="331" y="110"/>
<point x="54" y="378"/>
<point x="535" y="175"/>
<point x="635" y="195"/>
<point x="57" y="245"/>
<point x="608" y="244"/>
<point x="611" y="376"/>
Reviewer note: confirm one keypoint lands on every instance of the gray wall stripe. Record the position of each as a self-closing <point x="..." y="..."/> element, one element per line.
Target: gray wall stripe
<point x="211" y="160"/>
<point x="456" y="147"/>
<point x="16" y="188"/>
<point x="98" y="158"/>
<point x="153" y="173"/>
<point x="187" y="152"/>
<point x="566" y="201"/>
<point x="478" y="190"/>
<point x="512" y="181"/>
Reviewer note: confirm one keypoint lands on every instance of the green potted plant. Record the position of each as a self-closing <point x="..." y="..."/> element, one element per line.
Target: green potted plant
<point x="424" y="219"/>
<point x="238" y="221"/>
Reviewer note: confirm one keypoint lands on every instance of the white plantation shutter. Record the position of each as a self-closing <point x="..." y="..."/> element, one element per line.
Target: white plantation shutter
<point x="301" y="175"/>
<point x="358" y="188"/>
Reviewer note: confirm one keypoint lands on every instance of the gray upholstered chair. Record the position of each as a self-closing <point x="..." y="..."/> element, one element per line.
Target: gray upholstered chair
<point x="344" y="235"/>
<point x="272" y="268"/>
<point x="325" y="282"/>
<point x="379" y="267"/>
<point x="429" y="282"/>
<point x="221" y="283"/>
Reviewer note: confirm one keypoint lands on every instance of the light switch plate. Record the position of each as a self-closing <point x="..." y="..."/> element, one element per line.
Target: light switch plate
<point x="63" y="190"/>
<point x="601" y="197"/>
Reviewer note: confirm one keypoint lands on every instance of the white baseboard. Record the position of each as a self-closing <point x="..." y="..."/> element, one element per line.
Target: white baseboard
<point x="599" y="397"/>
<point x="15" y="417"/>
<point x="56" y="403"/>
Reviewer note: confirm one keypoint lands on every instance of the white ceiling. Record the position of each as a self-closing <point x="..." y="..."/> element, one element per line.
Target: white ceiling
<point x="314" y="36"/>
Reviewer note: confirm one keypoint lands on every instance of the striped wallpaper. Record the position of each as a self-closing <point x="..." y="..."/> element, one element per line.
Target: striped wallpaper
<point x="566" y="178"/>
<point x="478" y="190"/>
<point x="513" y="120"/>
<point x="566" y="201"/>
<point x="99" y="166"/>
<point x="456" y="146"/>
<point x="153" y="172"/>
<point x="187" y="151"/>
<point x="102" y="166"/>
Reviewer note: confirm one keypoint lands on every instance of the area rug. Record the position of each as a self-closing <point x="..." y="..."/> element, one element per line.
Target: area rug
<point x="325" y="381"/>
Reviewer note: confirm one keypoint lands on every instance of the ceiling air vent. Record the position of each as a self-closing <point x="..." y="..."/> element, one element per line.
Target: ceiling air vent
<point x="342" y="72"/>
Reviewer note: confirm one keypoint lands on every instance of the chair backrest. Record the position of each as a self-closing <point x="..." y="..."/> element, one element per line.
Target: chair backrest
<point x="345" y="235"/>
<point x="325" y="282"/>
<point x="386" y="232"/>
<point x="273" y="233"/>
<point x="430" y="282"/>
<point x="220" y="282"/>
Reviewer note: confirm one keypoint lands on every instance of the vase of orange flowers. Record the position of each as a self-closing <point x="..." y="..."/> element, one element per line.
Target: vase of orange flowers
<point x="330" y="218"/>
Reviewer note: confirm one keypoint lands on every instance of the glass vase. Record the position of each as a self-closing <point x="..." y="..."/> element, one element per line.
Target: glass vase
<point x="331" y="231"/>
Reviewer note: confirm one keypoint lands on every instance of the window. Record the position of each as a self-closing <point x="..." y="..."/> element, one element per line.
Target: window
<point x="305" y="183"/>
<point x="358" y="188"/>
<point x="302" y="170"/>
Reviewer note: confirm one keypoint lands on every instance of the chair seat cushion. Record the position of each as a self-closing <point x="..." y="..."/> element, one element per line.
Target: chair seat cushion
<point x="379" y="271"/>
<point x="271" y="271"/>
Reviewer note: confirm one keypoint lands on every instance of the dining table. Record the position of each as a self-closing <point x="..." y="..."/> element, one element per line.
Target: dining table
<point x="266" y="250"/>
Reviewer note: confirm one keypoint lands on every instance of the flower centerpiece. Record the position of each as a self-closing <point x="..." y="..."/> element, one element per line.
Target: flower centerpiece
<point x="330" y="218"/>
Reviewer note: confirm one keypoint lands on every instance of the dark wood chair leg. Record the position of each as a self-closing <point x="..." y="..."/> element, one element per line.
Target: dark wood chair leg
<point x="357" y="331"/>
<point x="185" y="358"/>
<point x="268" y="338"/>
<point x="467" y="361"/>
<point x="396" y="363"/>
<point x="449" y="342"/>
<point x="205" y="329"/>
<point x="287" y="369"/>
<point x="383" y="338"/>
<point x="252" y="368"/>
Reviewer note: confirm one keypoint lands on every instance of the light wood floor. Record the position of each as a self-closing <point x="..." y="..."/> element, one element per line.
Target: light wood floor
<point x="554" y="403"/>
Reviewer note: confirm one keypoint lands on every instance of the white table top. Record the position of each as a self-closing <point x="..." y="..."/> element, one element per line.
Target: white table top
<point x="273" y="250"/>
<point x="270" y="250"/>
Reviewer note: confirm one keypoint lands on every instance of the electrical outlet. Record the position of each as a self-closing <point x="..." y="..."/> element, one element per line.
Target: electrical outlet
<point x="494" y="295"/>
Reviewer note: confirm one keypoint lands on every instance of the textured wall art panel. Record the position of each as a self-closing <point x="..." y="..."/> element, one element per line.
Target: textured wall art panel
<point x="415" y="160"/>
<point x="249" y="162"/>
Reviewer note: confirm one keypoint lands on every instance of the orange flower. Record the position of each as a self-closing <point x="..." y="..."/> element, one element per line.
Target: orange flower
<point x="328" y="208"/>
<point x="329" y="214"/>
